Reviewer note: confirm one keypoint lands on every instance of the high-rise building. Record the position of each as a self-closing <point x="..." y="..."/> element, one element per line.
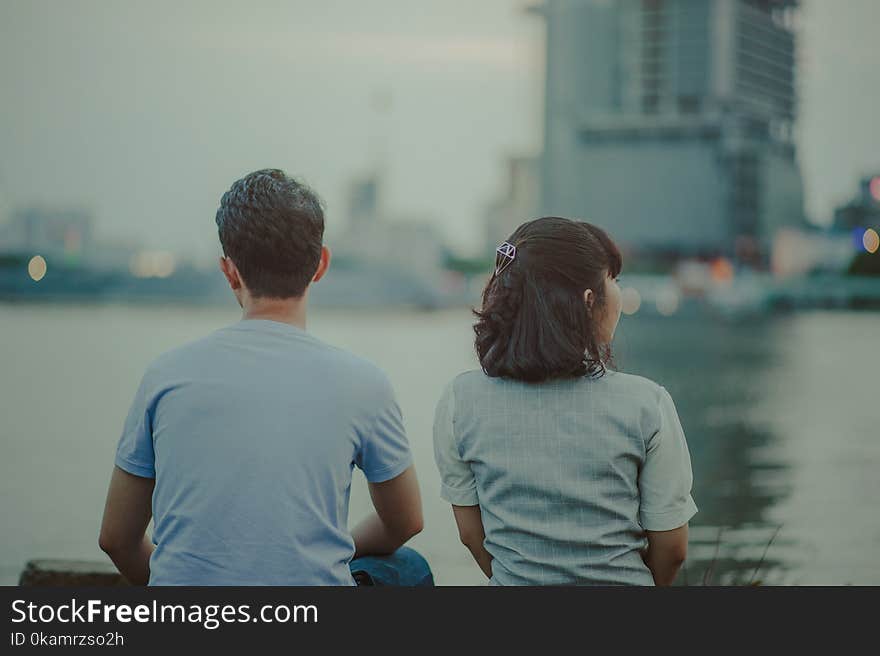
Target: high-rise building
<point x="671" y="122"/>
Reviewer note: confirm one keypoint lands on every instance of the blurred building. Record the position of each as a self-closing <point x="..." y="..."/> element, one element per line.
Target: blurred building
<point x="374" y="238"/>
<point x="863" y="211"/>
<point x="801" y="251"/>
<point x="363" y="200"/>
<point x="518" y="201"/>
<point x="380" y="259"/>
<point x="670" y="122"/>
<point x="852" y="236"/>
<point x="64" y="233"/>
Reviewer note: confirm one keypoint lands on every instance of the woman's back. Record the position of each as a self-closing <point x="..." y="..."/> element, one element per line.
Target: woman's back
<point x="568" y="474"/>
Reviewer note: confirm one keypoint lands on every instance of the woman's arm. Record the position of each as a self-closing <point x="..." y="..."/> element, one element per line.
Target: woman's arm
<point x="666" y="552"/>
<point x="470" y="530"/>
<point x="666" y="504"/>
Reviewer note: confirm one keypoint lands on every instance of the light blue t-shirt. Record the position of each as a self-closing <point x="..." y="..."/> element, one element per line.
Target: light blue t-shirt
<point x="251" y="434"/>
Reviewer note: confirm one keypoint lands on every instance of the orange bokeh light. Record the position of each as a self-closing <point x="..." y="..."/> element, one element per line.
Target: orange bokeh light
<point x="722" y="270"/>
<point x="871" y="240"/>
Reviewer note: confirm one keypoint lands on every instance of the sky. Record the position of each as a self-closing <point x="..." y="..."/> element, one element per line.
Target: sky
<point x="145" y="112"/>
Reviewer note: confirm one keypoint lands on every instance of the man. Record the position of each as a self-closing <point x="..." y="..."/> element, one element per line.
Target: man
<point x="241" y="445"/>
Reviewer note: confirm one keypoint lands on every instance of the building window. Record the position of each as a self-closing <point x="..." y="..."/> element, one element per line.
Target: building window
<point x="688" y="104"/>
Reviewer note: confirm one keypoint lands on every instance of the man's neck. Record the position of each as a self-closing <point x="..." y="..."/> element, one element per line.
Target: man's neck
<point x="284" y="310"/>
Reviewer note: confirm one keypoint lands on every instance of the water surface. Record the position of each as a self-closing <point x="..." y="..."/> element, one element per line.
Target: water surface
<point x="781" y="415"/>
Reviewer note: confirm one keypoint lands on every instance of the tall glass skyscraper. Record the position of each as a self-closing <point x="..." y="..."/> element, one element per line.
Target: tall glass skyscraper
<point x="671" y="122"/>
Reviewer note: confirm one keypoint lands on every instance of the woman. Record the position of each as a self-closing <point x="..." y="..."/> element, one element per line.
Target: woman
<point x="560" y="470"/>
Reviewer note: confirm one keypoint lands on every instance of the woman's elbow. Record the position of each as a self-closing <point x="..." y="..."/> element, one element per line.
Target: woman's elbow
<point x="670" y="547"/>
<point x="671" y="555"/>
<point x="471" y="539"/>
<point x="679" y="555"/>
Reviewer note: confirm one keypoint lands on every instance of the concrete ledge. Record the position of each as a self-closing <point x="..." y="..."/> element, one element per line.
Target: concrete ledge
<point x="70" y="572"/>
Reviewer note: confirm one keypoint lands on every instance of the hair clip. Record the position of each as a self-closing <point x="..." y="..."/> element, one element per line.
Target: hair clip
<point x="506" y="253"/>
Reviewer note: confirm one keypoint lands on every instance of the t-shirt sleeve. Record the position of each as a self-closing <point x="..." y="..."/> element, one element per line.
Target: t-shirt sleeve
<point x="457" y="483"/>
<point x="666" y="477"/>
<point x="134" y="453"/>
<point x="384" y="452"/>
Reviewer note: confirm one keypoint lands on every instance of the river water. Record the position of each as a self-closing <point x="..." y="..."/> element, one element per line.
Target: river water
<point x="782" y="417"/>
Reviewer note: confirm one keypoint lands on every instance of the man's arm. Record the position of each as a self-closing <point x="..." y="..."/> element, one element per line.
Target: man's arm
<point x="398" y="516"/>
<point x="470" y="530"/>
<point x="666" y="553"/>
<point x="123" y="530"/>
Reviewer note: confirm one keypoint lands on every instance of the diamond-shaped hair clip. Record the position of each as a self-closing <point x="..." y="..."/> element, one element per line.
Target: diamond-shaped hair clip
<point x="504" y="255"/>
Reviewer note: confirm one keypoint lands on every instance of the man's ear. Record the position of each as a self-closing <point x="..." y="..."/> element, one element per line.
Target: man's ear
<point x="323" y="264"/>
<point x="230" y="271"/>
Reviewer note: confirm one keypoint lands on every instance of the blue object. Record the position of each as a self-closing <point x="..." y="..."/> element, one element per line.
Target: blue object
<point x="405" y="567"/>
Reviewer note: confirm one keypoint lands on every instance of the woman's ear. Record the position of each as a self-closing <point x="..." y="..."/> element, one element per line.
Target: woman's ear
<point x="589" y="297"/>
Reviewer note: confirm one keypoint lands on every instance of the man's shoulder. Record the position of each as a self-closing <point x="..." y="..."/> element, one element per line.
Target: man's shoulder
<point x="189" y="352"/>
<point x="352" y="373"/>
<point x="357" y="366"/>
<point x="365" y="377"/>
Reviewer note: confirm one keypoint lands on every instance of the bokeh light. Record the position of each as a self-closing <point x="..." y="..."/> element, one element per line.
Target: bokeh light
<point x="630" y="300"/>
<point x="668" y="301"/>
<point x="152" y="264"/>
<point x="722" y="270"/>
<point x="874" y="187"/>
<point x="871" y="240"/>
<point x="37" y="267"/>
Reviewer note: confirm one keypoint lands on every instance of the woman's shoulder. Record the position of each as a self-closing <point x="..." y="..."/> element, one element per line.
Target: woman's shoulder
<point x="616" y="383"/>
<point x="471" y="383"/>
<point x="467" y="380"/>
<point x="637" y="387"/>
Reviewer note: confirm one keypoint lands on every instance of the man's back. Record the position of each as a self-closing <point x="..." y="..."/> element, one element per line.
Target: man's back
<point x="251" y="434"/>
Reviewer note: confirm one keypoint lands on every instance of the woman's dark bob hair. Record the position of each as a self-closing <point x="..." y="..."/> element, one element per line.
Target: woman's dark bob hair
<point x="534" y="324"/>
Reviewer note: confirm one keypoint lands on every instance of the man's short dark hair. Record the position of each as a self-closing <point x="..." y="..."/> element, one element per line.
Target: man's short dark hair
<point x="272" y="227"/>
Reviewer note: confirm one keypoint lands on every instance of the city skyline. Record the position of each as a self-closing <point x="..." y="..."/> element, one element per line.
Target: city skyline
<point x="193" y="97"/>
